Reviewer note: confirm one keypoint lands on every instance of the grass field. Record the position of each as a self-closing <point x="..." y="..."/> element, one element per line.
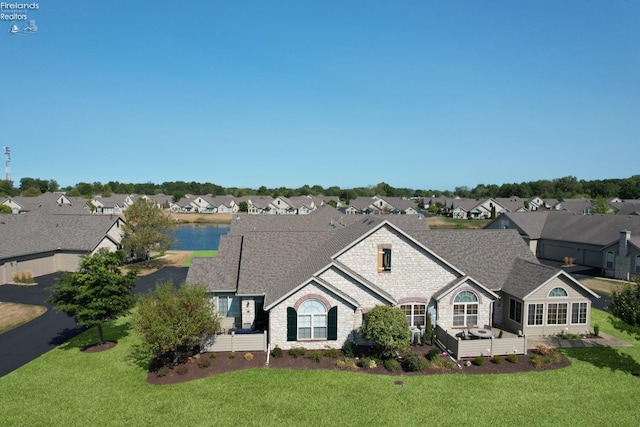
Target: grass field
<point x="13" y="315"/>
<point x="67" y="387"/>
<point x="199" y="254"/>
<point x="460" y="224"/>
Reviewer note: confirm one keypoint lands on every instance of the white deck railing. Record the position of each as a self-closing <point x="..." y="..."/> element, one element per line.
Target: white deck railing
<point x="461" y="349"/>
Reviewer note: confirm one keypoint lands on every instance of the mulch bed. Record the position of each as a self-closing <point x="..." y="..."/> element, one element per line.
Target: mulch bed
<point x="224" y="363"/>
<point x="96" y="348"/>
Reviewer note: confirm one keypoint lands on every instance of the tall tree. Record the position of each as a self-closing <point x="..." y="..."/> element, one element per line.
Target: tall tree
<point x="147" y="228"/>
<point x="97" y="292"/>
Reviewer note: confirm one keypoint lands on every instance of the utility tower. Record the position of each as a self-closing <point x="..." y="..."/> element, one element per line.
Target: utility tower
<point x="7" y="164"/>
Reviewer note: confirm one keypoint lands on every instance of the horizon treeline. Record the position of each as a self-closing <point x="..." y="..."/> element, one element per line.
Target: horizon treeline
<point x="561" y="188"/>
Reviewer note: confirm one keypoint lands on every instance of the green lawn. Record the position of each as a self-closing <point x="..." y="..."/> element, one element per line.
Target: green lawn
<point x="199" y="254"/>
<point x="69" y="388"/>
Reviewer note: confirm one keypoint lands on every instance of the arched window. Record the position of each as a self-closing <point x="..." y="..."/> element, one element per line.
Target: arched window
<point x="465" y="309"/>
<point x="558" y="292"/>
<point x="312" y="320"/>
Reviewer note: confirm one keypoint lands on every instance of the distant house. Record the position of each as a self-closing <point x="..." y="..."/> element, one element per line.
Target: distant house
<point x="605" y="242"/>
<point x="332" y="269"/>
<point x="45" y="242"/>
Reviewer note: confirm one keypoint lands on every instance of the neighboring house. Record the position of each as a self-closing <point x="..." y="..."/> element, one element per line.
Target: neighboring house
<point x="309" y="281"/>
<point x="45" y="243"/>
<point x="115" y="204"/>
<point x="606" y="242"/>
<point x="224" y="204"/>
<point x="47" y="202"/>
<point x="580" y="206"/>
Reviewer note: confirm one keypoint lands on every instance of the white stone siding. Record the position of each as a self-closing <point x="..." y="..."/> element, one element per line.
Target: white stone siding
<point x="347" y="319"/>
<point x="414" y="272"/>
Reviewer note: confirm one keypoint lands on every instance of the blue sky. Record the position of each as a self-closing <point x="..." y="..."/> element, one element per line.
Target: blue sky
<point x="417" y="94"/>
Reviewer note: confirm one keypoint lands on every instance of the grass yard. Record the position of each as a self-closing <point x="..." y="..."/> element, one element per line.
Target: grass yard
<point x="199" y="254"/>
<point x="460" y="224"/>
<point x="66" y="387"/>
<point x="602" y="285"/>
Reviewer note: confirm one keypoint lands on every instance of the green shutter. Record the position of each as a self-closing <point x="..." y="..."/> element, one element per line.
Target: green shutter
<point x="332" y="334"/>
<point x="292" y="324"/>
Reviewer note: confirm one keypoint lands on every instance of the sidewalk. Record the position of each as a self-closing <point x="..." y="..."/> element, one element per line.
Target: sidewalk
<point x="604" y="340"/>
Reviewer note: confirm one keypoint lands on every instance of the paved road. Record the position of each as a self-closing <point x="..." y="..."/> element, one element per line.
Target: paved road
<point x="29" y="341"/>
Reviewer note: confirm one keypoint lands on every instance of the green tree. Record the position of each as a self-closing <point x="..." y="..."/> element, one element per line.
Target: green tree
<point x="625" y="303"/>
<point x="172" y="322"/>
<point x="4" y="209"/>
<point x="601" y="206"/>
<point x="147" y="228"/>
<point x="97" y="292"/>
<point x="31" y="192"/>
<point x="243" y="207"/>
<point x="387" y="327"/>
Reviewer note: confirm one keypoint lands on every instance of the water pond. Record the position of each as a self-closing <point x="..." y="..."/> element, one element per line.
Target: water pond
<point x="199" y="237"/>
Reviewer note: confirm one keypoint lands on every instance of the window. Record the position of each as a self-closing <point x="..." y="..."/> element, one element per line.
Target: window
<point x="536" y="312"/>
<point x="638" y="264"/>
<point x="609" y="260"/>
<point x="558" y="292"/>
<point x="228" y="306"/>
<point x="557" y="314"/>
<point x="465" y="309"/>
<point x="384" y="258"/>
<point x="515" y="310"/>
<point x="312" y="320"/>
<point x="416" y="314"/>
<point x="579" y="313"/>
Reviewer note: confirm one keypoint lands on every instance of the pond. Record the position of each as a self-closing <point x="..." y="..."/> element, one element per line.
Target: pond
<point x="199" y="237"/>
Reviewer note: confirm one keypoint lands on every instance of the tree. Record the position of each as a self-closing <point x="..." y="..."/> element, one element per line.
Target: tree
<point x="5" y="209"/>
<point x="172" y="322"/>
<point x="625" y="304"/>
<point x="97" y="292"/>
<point x="601" y="206"/>
<point x="387" y="327"/>
<point x="147" y="228"/>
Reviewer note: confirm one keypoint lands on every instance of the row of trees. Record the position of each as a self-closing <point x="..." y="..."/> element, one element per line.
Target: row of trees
<point x="560" y="188"/>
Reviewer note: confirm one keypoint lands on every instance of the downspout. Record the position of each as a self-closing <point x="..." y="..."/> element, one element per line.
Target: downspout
<point x="268" y="353"/>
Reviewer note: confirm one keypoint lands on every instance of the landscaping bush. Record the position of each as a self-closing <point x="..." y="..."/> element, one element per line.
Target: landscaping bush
<point x="367" y="363"/>
<point x="444" y="363"/>
<point x="296" y="352"/>
<point x="350" y="349"/>
<point x="182" y="369"/>
<point x="596" y="330"/>
<point x="333" y="353"/>
<point x="625" y="304"/>
<point x="512" y="358"/>
<point x="346" y="364"/>
<point x="248" y="356"/>
<point x="163" y="371"/>
<point x="478" y="360"/>
<point x="316" y="356"/>
<point x="413" y="363"/>
<point x="434" y="353"/>
<point x="212" y="356"/>
<point x="277" y="352"/>
<point x="204" y="362"/>
<point x="537" y="360"/>
<point x="232" y="356"/>
<point x="387" y="327"/>
<point x="496" y="359"/>
<point x="391" y="365"/>
<point x="543" y="350"/>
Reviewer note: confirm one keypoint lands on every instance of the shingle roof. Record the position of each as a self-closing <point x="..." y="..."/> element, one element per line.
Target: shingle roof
<point x="600" y="230"/>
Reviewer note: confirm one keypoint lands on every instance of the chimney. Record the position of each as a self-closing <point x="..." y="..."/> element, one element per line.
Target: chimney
<point x="625" y="235"/>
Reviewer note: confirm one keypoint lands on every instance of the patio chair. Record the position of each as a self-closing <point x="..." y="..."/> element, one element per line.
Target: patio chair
<point x="500" y="334"/>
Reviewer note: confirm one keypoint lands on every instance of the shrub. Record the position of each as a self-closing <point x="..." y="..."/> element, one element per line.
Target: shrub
<point x="413" y="363"/>
<point x="333" y="353"/>
<point x="346" y="364"/>
<point x="350" y="349"/>
<point x="232" y="356"/>
<point x="543" y="350"/>
<point x="391" y="365"/>
<point x="537" y="360"/>
<point x="316" y="356"/>
<point x="277" y="352"/>
<point x="367" y="363"/>
<point x="443" y="363"/>
<point x="625" y="304"/>
<point x="204" y="362"/>
<point x="295" y="352"/>
<point x="497" y="359"/>
<point x="434" y="353"/>
<point x="163" y="371"/>
<point x="478" y="360"/>
<point x="248" y="356"/>
<point x="387" y="327"/>
<point x="23" y="276"/>
<point x="212" y="356"/>
<point x="512" y="358"/>
<point x="182" y="369"/>
<point x="596" y="330"/>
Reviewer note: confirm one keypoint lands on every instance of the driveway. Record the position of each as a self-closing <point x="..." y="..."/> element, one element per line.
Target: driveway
<point x="29" y="341"/>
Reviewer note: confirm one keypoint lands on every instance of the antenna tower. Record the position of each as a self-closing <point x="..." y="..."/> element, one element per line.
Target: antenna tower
<point x="7" y="168"/>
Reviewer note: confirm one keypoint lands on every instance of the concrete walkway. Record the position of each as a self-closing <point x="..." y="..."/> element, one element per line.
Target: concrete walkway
<point x="604" y="340"/>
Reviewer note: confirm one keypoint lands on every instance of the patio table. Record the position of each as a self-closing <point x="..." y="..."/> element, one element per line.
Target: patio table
<point x="481" y="332"/>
